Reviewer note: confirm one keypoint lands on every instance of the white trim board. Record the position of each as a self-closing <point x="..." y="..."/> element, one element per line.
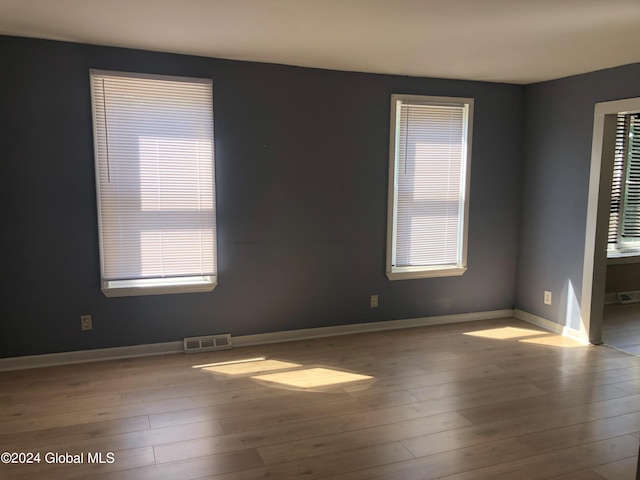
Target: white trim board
<point x="87" y="356"/>
<point x="598" y="205"/>
<point x="309" y="333"/>
<point x="101" y="354"/>
<point x="549" y="325"/>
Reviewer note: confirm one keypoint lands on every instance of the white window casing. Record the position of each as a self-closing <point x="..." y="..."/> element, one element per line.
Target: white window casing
<point x="155" y="181"/>
<point x="429" y="168"/>
<point x="624" y="214"/>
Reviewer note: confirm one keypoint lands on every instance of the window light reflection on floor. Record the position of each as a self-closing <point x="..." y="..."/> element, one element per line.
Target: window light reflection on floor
<point x="554" y="341"/>
<point x="289" y="375"/>
<point x="310" y="378"/>
<point x="249" y="366"/>
<point x="230" y="362"/>
<point x="504" y="333"/>
<point x="525" y="335"/>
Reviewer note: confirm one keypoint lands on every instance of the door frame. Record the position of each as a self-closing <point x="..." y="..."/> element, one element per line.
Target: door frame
<point x="598" y="207"/>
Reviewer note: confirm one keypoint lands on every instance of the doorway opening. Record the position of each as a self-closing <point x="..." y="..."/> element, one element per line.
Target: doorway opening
<point x="596" y="261"/>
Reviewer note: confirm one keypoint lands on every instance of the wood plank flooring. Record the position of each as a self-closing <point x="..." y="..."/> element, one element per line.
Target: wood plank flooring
<point x="621" y="327"/>
<point x="496" y="399"/>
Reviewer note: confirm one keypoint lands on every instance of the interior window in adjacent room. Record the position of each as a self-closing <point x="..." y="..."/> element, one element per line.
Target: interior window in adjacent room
<point x="624" y="214"/>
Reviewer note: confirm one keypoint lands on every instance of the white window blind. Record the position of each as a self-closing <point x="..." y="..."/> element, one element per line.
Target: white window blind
<point x="154" y="157"/>
<point x="624" y="214"/>
<point x="428" y="207"/>
<point x="622" y="128"/>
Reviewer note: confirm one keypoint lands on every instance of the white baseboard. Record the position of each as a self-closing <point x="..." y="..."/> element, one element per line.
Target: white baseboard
<point x="87" y="356"/>
<point x="611" y="298"/>
<point x="308" y="333"/>
<point x="549" y="325"/>
<point x="101" y="354"/>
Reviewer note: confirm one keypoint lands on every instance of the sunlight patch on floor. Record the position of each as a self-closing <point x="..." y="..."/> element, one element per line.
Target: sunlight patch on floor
<point x="311" y="378"/>
<point x="504" y="333"/>
<point x="247" y="366"/>
<point x="554" y="341"/>
<point x="230" y="362"/>
<point x="289" y="375"/>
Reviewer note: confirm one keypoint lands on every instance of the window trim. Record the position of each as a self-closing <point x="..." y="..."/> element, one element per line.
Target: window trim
<point x="150" y="286"/>
<point x="132" y="288"/>
<point x="624" y="250"/>
<point x="426" y="271"/>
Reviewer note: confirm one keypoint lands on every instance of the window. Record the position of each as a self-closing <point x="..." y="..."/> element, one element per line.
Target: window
<point x="430" y="153"/>
<point x="624" y="214"/>
<point x="154" y="157"/>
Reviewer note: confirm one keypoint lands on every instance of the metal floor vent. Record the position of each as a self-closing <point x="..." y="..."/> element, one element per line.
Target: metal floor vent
<point x="629" y="297"/>
<point x="207" y="343"/>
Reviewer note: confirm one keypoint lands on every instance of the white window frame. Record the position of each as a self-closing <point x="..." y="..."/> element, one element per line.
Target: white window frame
<point x="396" y="272"/>
<point x="624" y="250"/>
<point x="169" y="283"/>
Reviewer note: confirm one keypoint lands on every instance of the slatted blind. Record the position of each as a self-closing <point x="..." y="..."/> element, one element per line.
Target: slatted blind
<point x="624" y="215"/>
<point x="622" y="133"/>
<point x="431" y="165"/>
<point x="631" y="211"/>
<point x="155" y="177"/>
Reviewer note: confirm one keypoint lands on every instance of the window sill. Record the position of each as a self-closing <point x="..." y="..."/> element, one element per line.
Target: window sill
<point x="408" y="273"/>
<point x="133" y="288"/>
<point x="621" y="258"/>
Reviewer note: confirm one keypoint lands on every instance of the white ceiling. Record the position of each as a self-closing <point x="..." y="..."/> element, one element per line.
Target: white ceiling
<point x="518" y="41"/>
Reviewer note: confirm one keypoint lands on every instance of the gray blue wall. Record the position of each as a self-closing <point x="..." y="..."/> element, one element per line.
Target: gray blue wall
<point x="558" y="126"/>
<point x="302" y="162"/>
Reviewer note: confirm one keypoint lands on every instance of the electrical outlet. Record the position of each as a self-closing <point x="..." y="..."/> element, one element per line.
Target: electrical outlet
<point x="547" y="297"/>
<point x="85" y="322"/>
<point x="374" y="301"/>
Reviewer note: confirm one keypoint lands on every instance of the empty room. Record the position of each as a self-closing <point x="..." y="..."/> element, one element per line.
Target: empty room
<point x="322" y="239"/>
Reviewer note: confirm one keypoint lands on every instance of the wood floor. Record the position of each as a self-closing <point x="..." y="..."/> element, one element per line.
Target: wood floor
<point x="621" y="327"/>
<point x="498" y="399"/>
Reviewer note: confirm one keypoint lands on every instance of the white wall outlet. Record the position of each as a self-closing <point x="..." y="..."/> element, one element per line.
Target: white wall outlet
<point x="85" y="322"/>
<point x="547" y="297"/>
<point x="374" y="301"/>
